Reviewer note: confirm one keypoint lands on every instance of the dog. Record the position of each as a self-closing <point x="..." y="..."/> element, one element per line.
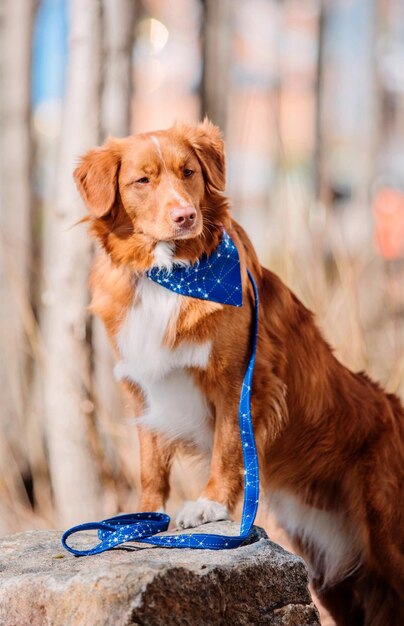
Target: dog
<point x="330" y="441"/>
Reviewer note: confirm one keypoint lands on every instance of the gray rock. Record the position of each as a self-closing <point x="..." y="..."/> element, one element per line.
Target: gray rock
<point x="258" y="583"/>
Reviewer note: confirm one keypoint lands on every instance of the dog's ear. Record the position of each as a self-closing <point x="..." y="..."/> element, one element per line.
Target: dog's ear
<point x="96" y="178"/>
<point x="206" y="139"/>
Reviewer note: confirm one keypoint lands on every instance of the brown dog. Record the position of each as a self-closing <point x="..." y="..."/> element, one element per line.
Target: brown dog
<point x="330" y="441"/>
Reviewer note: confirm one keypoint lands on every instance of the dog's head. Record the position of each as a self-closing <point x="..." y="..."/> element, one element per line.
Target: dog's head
<point x="165" y="186"/>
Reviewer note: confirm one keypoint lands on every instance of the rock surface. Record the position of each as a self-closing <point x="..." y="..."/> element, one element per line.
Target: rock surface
<point x="259" y="583"/>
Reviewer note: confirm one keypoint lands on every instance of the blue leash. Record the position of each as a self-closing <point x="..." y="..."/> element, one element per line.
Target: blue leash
<point x="145" y="527"/>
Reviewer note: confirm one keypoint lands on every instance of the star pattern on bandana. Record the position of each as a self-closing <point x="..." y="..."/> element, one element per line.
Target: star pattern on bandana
<point x="216" y="278"/>
<point x="146" y="527"/>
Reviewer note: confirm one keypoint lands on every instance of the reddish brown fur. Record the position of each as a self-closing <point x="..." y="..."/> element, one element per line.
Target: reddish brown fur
<point x="330" y="436"/>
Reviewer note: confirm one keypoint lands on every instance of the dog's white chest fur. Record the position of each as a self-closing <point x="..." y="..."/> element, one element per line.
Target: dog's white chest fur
<point x="175" y="405"/>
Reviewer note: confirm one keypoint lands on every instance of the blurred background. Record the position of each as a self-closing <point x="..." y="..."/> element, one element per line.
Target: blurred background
<point x="310" y="97"/>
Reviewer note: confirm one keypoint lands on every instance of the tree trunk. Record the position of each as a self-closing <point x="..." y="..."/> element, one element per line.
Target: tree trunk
<point x="16" y="17"/>
<point x="319" y="182"/>
<point x="118" y="36"/>
<point x="116" y="105"/>
<point x="217" y="46"/>
<point x="67" y="254"/>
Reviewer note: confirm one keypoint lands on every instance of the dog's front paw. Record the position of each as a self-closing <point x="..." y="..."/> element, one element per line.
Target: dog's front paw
<point x="201" y="511"/>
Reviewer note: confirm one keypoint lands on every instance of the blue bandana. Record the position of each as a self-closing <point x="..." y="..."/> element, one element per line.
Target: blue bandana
<point x="215" y="278"/>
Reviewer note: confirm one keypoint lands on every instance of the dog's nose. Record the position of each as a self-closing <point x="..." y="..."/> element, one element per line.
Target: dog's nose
<point x="183" y="216"/>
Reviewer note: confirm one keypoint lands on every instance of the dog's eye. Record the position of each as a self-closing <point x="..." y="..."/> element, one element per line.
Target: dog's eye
<point x="188" y="173"/>
<point x="143" y="180"/>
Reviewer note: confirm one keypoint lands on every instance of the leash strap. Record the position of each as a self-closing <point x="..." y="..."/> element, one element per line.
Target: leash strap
<point x="145" y="527"/>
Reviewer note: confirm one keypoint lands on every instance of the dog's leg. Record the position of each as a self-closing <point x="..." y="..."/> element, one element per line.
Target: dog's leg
<point x="155" y="464"/>
<point x="342" y="604"/>
<point x="226" y="476"/>
<point x="386" y="552"/>
<point x="381" y="603"/>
